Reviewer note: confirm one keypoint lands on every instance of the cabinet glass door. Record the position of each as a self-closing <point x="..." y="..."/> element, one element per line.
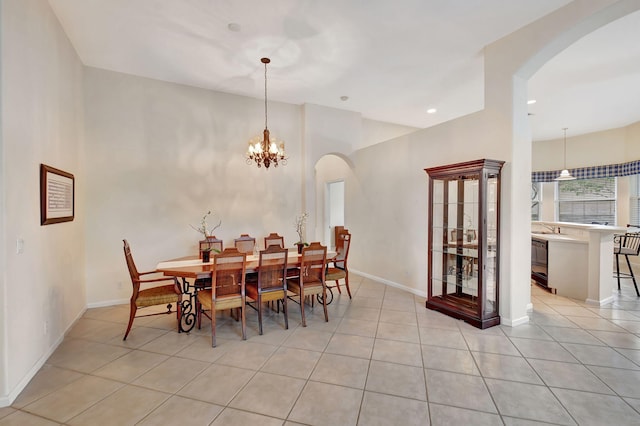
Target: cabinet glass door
<point x="490" y="263"/>
<point x="455" y="241"/>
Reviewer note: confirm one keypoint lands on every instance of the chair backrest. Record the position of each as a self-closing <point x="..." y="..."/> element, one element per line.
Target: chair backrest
<point x="133" y="271"/>
<point x="211" y="243"/>
<point x="337" y="231"/>
<point x="341" y="259"/>
<point x="272" y="268"/>
<point x="273" y="239"/>
<point x="228" y="273"/>
<point x="245" y="244"/>
<point x="313" y="262"/>
<point x="628" y="243"/>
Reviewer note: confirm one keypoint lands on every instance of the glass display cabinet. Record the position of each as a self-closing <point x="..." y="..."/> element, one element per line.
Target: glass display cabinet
<point x="464" y="205"/>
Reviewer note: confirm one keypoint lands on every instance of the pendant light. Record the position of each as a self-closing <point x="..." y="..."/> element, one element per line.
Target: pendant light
<point x="266" y="150"/>
<point x="564" y="174"/>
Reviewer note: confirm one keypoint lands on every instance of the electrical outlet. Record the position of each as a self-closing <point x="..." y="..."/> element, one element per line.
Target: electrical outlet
<point x="46" y="328"/>
<point x="119" y="285"/>
<point x="19" y="246"/>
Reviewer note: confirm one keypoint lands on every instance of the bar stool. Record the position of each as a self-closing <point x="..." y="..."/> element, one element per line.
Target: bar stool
<point x="626" y="245"/>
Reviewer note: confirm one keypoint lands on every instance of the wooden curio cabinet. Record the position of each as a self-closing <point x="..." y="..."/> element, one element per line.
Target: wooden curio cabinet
<point x="464" y="206"/>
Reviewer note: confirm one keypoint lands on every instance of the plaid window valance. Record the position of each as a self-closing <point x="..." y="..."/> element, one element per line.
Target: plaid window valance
<point x="610" y="170"/>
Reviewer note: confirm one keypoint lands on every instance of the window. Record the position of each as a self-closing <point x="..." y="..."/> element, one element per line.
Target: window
<point x="536" y="192"/>
<point x="634" y="199"/>
<point x="587" y="200"/>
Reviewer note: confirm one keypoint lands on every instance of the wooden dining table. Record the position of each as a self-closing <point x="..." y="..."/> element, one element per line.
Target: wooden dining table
<point x="193" y="268"/>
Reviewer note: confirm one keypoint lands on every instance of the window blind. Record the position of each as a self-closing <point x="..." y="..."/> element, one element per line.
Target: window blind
<point x="609" y="170"/>
<point x="587" y="200"/>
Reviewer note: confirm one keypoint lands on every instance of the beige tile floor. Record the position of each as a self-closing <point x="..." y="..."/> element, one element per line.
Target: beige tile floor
<point x="382" y="359"/>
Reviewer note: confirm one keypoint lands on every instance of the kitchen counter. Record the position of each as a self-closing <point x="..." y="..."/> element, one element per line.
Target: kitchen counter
<point x="580" y="259"/>
<point x="558" y="237"/>
<point x="566" y="264"/>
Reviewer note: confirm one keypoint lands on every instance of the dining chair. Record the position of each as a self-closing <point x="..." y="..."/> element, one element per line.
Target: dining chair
<point x="212" y="244"/>
<point x="339" y="270"/>
<point x="337" y="230"/>
<point x="273" y="239"/>
<point x="626" y="245"/>
<point x="271" y="284"/>
<point x="227" y="289"/>
<point x="245" y="244"/>
<point x="142" y="298"/>
<point x="311" y="278"/>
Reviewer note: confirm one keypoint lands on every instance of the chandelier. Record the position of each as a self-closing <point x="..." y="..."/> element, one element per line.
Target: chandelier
<point x="266" y="150"/>
<point x="564" y="174"/>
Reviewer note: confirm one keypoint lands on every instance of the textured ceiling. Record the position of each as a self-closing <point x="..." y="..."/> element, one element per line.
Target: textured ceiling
<point x="393" y="59"/>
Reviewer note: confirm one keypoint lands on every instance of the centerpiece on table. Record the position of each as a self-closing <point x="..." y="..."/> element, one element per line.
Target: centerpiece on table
<point x="301" y="222"/>
<point x="208" y="236"/>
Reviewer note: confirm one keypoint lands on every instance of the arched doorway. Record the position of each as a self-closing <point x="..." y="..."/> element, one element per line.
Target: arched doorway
<point x="332" y="175"/>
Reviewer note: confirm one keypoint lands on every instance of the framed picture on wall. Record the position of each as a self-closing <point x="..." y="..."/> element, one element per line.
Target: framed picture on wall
<point x="57" y="191"/>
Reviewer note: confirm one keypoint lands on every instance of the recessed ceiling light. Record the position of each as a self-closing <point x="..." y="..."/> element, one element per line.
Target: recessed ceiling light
<point x="344" y="98"/>
<point x="235" y="27"/>
<point x="531" y="101"/>
<point x="432" y="111"/>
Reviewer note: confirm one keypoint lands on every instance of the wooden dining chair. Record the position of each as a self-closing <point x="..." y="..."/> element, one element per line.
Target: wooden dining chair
<point x="212" y="244"/>
<point x="142" y="298"/>
<point x="271" y="284"/>
<point x="311" y="279"/>
<point x="339" y="269"/>
<point x="273" y="239"/>
<point x="227" y="289"/>
<point x="337" y="230"/>
<point x="245" y="244"/>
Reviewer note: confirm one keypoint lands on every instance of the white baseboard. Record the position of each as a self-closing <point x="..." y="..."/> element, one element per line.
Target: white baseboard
<point x="108" y="303"/>
<point x="389" y="283"/>
<point x="514" y="322"/>
<point x="8" y="400"/>
<point x="602" y="302"/>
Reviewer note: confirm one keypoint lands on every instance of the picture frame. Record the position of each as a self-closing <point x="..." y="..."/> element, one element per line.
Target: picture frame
<point x="57" y="195"/>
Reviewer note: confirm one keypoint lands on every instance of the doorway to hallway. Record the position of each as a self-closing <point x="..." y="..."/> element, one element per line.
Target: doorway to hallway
<point x="334" y="210"/>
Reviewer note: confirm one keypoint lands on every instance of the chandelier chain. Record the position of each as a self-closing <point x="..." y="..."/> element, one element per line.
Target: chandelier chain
<point x="565" y="146"/>
<point x="265" y="96"/>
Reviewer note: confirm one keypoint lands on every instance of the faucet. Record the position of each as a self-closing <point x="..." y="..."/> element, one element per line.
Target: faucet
<point x="551" y="228"/>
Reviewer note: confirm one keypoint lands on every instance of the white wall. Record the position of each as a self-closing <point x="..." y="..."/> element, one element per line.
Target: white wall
<point x="633" y="141"/>
<point x="42" y="120"/>
<point x="593" y="149"/>
<point x="374" y="132"/>
<point x="159" y="156"/>
<point x="4" y="365"/>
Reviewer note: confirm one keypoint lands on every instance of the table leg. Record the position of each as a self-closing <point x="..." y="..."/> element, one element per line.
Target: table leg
<point x="319" y="297"/>
<point x="188" y="317"/>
